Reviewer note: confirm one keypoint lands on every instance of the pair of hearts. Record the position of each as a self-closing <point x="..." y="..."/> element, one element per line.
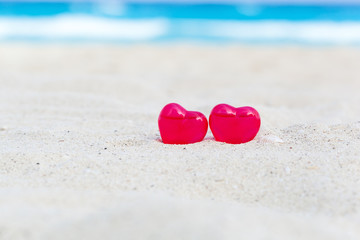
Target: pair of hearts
<point x="228" y="124"/>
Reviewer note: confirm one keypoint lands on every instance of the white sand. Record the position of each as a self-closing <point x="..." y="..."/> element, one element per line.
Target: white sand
<point x="81" y="158"/>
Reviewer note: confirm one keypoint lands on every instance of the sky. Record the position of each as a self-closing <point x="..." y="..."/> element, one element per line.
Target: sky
<point x="208" y="1"/>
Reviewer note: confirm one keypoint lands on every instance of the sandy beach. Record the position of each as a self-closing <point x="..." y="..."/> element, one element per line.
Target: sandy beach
<point x="81" y="155"/>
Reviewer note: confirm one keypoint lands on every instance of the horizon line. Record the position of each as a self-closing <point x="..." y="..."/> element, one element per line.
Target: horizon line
<point x="287" y="2"/>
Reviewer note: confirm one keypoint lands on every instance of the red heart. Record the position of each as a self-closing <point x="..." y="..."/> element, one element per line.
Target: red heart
<point x="178" y="126"/>
<point x="234" y="125"/>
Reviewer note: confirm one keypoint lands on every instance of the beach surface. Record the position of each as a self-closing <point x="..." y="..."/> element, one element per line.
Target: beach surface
<point x="81" y="155"/>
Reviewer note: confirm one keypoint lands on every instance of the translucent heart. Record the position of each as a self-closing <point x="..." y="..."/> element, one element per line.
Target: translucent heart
<point x="234" y="125"/>
<point x="179" y="126"/>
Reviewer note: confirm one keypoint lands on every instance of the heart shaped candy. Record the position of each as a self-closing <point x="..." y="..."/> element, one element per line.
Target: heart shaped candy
<point x="234" y="125"/>
<point x="179" y="126"/>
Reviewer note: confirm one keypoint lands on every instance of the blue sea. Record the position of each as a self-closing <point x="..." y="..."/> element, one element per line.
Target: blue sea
<point x="113" y="21"/>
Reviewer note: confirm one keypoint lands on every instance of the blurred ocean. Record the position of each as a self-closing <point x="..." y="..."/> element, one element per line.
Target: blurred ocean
<point x="113" y="21"/>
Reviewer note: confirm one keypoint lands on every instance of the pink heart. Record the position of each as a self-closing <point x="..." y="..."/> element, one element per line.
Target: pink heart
<point x="179" y="126"/>
<point x="234" y="125"/>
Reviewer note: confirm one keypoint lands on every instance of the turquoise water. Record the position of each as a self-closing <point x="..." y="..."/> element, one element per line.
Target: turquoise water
<point x="245" y="12"/>
<point x="119" y="22"/>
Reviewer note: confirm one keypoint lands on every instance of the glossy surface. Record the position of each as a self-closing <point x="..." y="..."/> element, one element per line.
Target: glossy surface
<point x="234" y="125"/>
<point x="179" y="126"/>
